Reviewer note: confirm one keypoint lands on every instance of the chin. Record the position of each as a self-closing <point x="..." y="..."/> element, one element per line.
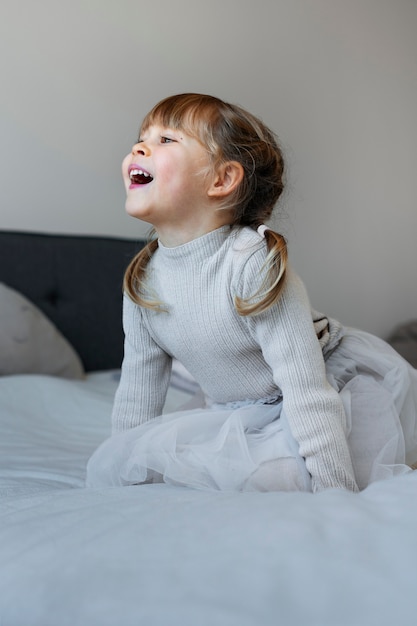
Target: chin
<point x="133" y="210"/>
<point x="139" y="216"/>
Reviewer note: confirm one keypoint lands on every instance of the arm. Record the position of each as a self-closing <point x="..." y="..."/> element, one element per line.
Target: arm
<point x="145" y="374"/>
<point x="314" y="409"/>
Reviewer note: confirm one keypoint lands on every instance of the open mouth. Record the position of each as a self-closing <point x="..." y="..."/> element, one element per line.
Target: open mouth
<point x="139" y="176"/>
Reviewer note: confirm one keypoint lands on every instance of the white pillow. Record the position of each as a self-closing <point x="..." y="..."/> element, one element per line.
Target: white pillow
<point x="29" y="341"/>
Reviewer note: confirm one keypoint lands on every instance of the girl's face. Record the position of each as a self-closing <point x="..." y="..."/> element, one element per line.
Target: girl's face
<point x="166" y="178"/>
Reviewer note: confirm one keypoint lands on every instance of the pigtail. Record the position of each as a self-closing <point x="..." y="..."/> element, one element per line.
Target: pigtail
<point x="134" y="277"/>
<point x="275" y="268"/>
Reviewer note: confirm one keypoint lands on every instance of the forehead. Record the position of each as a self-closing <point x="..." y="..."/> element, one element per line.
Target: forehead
<point x="164" y="124"/>
<point x="189" y="120"/>
<point x="159" y="128"/>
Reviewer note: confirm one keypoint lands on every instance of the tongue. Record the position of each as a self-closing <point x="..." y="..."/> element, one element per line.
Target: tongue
<point x="140" y="179"/>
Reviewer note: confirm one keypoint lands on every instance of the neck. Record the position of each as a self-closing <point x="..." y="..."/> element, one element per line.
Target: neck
<point x="175" y="235"/>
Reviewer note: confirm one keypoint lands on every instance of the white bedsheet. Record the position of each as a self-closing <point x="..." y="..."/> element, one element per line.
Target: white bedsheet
<point x="158" y="555"/>
<point x="50" y="426"/>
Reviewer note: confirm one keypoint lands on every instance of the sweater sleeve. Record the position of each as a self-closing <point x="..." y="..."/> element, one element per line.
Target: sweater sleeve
<point x="313" y="408"/>
<point x="145" y="373"/>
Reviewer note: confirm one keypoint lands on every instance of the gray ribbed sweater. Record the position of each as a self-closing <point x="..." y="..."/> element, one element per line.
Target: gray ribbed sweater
<point x="233" y="357"/>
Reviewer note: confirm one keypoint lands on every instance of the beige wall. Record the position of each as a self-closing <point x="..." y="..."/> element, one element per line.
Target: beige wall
<point x="336" y="79"/>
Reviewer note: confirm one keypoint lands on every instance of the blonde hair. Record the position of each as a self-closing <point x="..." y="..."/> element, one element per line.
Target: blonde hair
<point x="229" y="133"/>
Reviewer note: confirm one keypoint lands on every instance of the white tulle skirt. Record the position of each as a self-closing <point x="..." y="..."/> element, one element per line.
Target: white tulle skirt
<point x="250" y="447"/>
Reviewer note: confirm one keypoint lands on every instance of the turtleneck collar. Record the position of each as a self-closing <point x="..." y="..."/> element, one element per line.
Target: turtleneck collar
<point x="199" y="248"/>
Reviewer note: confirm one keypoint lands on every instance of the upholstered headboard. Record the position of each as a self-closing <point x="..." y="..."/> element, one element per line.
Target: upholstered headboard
<point x="76" y="281"/>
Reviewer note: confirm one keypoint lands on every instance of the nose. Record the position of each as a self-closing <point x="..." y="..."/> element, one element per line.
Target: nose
<point x="140" y="148"/>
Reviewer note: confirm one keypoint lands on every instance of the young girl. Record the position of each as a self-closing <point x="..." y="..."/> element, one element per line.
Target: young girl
<point x="293" y="401"/>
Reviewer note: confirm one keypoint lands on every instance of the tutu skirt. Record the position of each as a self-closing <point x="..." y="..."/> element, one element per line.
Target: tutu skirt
<point x="249" y="446"/>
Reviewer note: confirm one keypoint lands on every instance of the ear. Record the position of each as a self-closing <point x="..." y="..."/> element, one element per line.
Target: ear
<point x="227" y="178"/>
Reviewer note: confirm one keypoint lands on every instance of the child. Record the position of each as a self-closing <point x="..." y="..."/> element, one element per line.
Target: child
<point x="293" y="401"/>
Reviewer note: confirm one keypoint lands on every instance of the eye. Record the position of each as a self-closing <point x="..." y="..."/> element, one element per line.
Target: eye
<point x="167" y="139"/>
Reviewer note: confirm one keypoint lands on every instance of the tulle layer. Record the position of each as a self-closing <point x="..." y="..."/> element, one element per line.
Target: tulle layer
<point x="217" y="449"/>
<point x="251" y="447"/>
<point x="379" y="392"/>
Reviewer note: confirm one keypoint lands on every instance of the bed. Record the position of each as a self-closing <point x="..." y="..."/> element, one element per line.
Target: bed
<point x="157" y="554"/>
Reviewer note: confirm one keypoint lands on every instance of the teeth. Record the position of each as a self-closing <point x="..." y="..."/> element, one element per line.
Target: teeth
<point x="136" y="172"/>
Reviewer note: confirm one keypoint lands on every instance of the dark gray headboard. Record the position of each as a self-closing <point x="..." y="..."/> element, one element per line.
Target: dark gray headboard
<point x="77" y="282"/>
